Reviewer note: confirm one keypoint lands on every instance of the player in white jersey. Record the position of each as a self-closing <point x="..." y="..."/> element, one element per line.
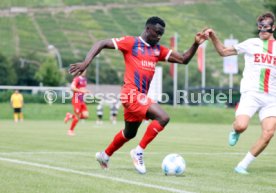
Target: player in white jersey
<point x="258" y="85"/>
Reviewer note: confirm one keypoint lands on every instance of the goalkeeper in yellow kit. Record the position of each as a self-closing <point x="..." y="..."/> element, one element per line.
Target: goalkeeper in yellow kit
<point x="17" y="102"/>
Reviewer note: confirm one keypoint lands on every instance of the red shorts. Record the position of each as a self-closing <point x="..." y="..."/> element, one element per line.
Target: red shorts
<point x="135" y="104"/>
<point x="79" y="107"/>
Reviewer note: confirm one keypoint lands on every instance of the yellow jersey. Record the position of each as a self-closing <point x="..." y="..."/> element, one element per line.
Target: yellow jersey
<point x="17" y="100"/>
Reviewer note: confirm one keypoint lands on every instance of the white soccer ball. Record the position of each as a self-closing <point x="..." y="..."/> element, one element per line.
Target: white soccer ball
<point x="173" y="165"/>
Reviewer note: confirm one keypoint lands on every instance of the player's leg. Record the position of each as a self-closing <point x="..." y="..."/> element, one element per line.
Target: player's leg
<point x="80" y="109"/>
<point x="240" y="125"/>
<point x="15" y="115"/>
<point x="21" y="117"/>
<point x="248" y="106"/>
<point x="119" y="140"/>
<point x="267" y="115"/>
<point x="159" y="120"/>
<point x="84" y="114"/>
<point x="20" y="114"/>
<point x="68" y="117"/>
<point x="113" y="118"/>
<point x="75" y="118"/>
<point x="268" y="130"/>
<point x="99" y="119"/>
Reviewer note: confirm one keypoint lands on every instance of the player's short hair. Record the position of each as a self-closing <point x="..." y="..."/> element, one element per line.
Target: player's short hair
<point x="155" y="20"/>
<point x="266" y="15"/>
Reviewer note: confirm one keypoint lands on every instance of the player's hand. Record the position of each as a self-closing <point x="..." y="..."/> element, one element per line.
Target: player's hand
<point x="200" y="37"/>
<point x="77" y="68"/>
<point x="209" y="32"/>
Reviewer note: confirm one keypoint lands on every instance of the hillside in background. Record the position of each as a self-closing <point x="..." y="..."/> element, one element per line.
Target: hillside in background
<point x="74" y="29"/>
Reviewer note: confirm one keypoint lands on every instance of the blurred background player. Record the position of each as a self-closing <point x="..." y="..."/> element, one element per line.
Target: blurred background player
<point x="258" y="85"/>
<point x="78" y="87"/>
<point x="114" y="107"/>
<point x="17" y="102"/>
<point x="141" y="54"/>
<point x="99" y="114"/>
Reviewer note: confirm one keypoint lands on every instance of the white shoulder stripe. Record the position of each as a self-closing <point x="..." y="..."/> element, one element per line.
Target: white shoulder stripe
<point x="115" y="44"/>
<point x="168" y="55"/>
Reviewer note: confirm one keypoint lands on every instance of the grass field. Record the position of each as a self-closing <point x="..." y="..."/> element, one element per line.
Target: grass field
<point x="183" y="114"/>
<point x="38" y="156"/>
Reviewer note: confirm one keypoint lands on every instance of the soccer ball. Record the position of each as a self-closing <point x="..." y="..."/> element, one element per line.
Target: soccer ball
<point x="173" y="165"/>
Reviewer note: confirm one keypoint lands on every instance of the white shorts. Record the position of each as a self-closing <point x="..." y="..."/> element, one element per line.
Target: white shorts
<point x="251" y="102"/>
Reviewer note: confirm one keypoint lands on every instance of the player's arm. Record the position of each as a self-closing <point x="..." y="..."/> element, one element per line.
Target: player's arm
<point x="82" y="90"/>
<point x="78" y="68"/>
<point x="220" y="48"/>
<point x="185" y="58"/>
<point x="22" y="101"/>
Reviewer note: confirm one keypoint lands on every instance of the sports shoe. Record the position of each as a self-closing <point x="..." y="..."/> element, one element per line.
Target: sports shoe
<point x="70" y="133"/>
<point x="138" y="161"/>
<point x="241" y="170"/>
<point x="102" y="161"/>
<point x="68" y="116"/>
<point x="233" y="138"/>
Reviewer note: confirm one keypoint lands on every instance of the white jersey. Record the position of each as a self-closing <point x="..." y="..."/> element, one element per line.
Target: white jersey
<point x="259" y="73"/>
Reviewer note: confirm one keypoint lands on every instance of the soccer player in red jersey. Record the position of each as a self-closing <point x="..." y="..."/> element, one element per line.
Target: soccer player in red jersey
<point x="78" y="87"/>
<point x="141" y="55"/>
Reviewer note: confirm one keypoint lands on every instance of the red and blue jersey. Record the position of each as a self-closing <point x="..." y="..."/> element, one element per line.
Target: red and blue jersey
<point x="79" y="82"/>
<point x="140" y="61"/>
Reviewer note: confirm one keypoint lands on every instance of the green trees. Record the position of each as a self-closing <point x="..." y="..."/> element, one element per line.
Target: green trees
<point x="107" y="74"/>
<point x="26" y="69"/>
<point x="49" y="74"/>
<point x="7" y="73"/>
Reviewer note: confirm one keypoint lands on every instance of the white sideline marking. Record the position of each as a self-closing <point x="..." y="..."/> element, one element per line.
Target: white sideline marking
<point x="68" y="170"/>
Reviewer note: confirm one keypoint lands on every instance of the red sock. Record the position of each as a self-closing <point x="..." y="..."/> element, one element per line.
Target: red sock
<point x="153" y="129"/>
<point x="75" y="120"/>
<point x="117" y="142"/>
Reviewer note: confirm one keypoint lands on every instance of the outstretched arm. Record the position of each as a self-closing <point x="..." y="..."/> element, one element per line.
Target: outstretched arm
<point x="220" y="48"/>
<point x="77" y="68"/>
<point x="185" y="58"/>
<point x="82" y="90"/>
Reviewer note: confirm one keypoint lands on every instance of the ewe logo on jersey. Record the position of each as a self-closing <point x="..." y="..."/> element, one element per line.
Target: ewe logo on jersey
<point x="265" y="59"/>
<point x="148" y="65"/>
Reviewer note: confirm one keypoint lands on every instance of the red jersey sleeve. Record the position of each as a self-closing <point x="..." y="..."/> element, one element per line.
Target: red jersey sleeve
<point x="123" y="44"/>
<point x="164" y="53"/>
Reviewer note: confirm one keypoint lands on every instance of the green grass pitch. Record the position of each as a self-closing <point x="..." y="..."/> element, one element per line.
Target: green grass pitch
<point x="38" y="156"/>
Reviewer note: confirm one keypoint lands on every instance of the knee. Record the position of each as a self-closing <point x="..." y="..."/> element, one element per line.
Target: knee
<point x="240" y="126"/>
<point x="129" y="134"/>
<point x="76" y="119"/>
<point x="267" y="135"/>
<point x="85" y="115"/>
<point x="164" y="120"/>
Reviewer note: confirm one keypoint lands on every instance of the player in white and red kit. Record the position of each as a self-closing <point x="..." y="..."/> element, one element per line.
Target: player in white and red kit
<point x="258" y="85"/>
<point x="78" y="87"/>
<point x="141" y="54"/>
